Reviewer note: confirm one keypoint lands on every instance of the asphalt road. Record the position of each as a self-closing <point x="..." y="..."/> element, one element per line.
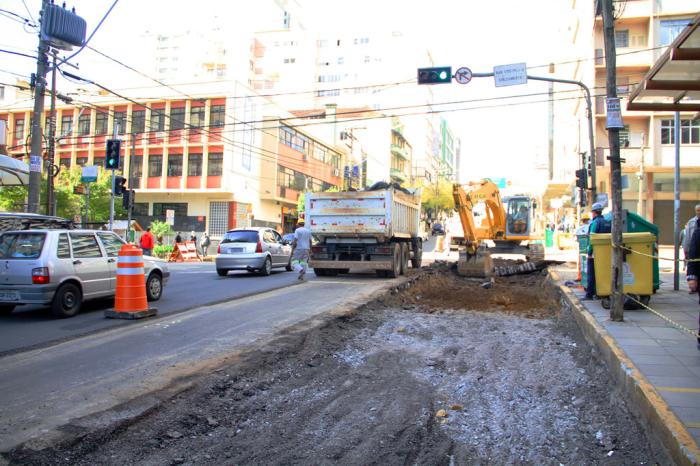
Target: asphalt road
<point x="190" y="285"/>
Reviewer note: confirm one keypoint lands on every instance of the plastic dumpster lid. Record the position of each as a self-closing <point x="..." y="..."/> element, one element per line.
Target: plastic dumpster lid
<point x="627" y="238"/>
<point x="633" y="218"/>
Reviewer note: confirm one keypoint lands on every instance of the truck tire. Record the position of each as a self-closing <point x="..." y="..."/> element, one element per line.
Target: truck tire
<point x="404" y="258"/>
<point x="381" y="273"/>
<point x="395" y="261"/>
<point x="320" y="272"/>
<point x="417" y="253"/>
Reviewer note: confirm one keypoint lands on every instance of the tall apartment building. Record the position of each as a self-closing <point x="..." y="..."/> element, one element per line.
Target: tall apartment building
<point x="643" y="30"/>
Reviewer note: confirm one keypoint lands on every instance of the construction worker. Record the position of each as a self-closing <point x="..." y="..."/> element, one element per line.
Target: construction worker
<point x="301" y="247"/>
<point x="583" y="227"/>
<point x="598" y="225"/>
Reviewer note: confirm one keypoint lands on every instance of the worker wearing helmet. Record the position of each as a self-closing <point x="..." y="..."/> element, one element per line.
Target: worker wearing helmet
<point x="301" y="247"/>
<point x="594" y="227"/>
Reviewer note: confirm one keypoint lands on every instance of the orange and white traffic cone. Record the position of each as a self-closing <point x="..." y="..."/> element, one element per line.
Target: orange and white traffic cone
<point x="130" y="301"/>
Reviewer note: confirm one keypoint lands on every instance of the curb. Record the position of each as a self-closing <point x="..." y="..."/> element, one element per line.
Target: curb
<point x="653" y="411"/>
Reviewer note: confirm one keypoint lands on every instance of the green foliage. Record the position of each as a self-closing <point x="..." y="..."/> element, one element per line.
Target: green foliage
<point x="162" y="250"/>
<point x="160" y="229"/>
<point x="69" y="204"/>
<point x="12" y="198"/>
<point x="438" y="198"/>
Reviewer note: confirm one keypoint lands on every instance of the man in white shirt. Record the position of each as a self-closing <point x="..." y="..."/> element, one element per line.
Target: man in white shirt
<point x="301" y="248"/>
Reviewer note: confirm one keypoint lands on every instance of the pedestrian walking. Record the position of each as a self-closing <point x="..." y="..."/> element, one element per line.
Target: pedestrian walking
<point x="178" y="238"/>
<point x="694" y="264"/>
<point x="598" y="225"/>
<point x="301" y="246"/>
<point x="205" y="244"/>
<point x="146" y="242"/>
<point x="690" y="228"/>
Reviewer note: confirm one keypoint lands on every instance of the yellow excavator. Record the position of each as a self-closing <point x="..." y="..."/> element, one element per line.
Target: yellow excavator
<point x="511" y="223"/>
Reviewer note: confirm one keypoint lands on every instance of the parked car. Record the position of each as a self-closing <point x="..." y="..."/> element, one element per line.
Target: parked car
<point x="437" y="229"/>
<point x="28" y="221"/>
<point x="288" y="237"/>
<point x="62" y="268"/>
<point x="255" y="249"/>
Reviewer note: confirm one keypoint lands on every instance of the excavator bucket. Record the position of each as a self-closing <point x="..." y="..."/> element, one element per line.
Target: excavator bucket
<point x="479" y="265"/>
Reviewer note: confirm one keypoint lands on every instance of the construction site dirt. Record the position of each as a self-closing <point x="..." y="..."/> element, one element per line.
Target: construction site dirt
<point x="447" y="370"/>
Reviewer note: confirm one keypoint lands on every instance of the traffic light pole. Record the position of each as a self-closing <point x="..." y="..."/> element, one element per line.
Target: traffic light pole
<point x="115" y="133"/>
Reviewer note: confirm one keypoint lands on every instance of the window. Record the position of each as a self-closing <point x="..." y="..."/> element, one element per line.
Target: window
<point x="84" y="124"/>
<point x="177" y="118"/>
<point x="111" y="243"/>
<point x="319" y="152"/>
<point x="175" y="165"/>
<point x="138" y="121"/>
<point x="216" y="116"/>
<point x="194" y="165"/>
<point x="218" y="218"/>
<point x="100" y="123"/>
<point x="80" y="161"/>
<point x="670" y="30"/>
<point x="2" y="92"/>
<point x="21" y="245"/>
<point x="155" y="165"/>
<point x="690" y="132"/>
<point x="98" y="160"/>
<point x="157" y="120"/>
<point x="19" y="129"/>
<point x="622" y="38"/>
<point x="290" y="60"/>
<point x="216" y="164"/>
<point x="289" y="178"/>
<point x="136" y="166"/>
<point x="286" y="136"/>
<point x="66" y="124"/>
<point x="197" y="117"/>
<point x="180" y="208"/>
<point x="120" y="120"/>
<point x="63" y="248"/>
<point x="140" y="208"/>
<point x="623" y="85"/>
<point x="84" y="245"/>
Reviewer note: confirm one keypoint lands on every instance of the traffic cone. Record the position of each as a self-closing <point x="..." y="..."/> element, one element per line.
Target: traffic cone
<point x="130" y="301"/>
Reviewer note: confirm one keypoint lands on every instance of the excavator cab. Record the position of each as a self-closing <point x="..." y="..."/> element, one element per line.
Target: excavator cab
<point x="518" y="216"/>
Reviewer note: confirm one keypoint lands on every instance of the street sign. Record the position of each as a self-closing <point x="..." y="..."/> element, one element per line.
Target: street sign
<point x="79" y="189"/>
<point x="89" y="174"/>
<point x="463" y="75"/>
<point x="170" y="217"/>
<point x="510" y="75"/>
<point x="614" y="114"/>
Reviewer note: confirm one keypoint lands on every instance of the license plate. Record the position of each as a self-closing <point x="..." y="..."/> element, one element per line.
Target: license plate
<point x="10" y="295"/>
<point x="236" y="250"/>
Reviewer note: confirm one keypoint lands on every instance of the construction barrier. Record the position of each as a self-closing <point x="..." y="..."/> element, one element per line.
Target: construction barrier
<point x="130" y="301"/>
<point x="185" y="252"/>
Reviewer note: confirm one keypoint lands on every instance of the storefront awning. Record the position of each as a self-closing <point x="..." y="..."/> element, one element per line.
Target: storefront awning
<point x="673" y="83"/>
<point x="13" y="172"/>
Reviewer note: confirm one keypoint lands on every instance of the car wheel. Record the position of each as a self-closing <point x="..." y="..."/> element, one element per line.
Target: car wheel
<point x="6" y="308"/>
<point x="267" y="267"/>
<point x="154" y="287"/>
<point x="67" y="301"/>
<point x="289" y="267"/>
<point x="222" y="272"/>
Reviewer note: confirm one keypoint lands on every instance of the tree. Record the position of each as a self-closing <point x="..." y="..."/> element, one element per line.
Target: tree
<point x="69" y="204"/>
<point x="160" y="229"/>
<point x="438" y="198"/>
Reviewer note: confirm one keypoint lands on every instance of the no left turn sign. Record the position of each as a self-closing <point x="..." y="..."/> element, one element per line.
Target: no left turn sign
<point x="463" y="75"/>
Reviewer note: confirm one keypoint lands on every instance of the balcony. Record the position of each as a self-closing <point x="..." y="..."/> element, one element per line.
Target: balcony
<point x="397" y="175"/>
<point x="399" y="151"/>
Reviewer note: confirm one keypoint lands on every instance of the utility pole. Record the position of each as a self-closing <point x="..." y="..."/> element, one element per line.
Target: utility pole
<point x="36" y="145"/>
<point x="617" y="298"/>
<point x="132" y="184"/>
<point x="50" y="204"/>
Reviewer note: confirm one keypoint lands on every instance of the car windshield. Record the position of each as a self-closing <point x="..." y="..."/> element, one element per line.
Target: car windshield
<point x="21" y="245"/>
<point x="240" y="236"/>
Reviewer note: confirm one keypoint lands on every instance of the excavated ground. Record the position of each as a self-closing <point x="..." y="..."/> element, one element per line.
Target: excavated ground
<point x="448" y="371"/>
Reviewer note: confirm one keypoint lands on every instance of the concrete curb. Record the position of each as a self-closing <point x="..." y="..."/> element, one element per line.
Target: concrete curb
<point x="654" y="412"/>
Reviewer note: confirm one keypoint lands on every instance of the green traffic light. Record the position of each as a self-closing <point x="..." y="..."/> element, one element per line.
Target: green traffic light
<point x="443" y="75"/>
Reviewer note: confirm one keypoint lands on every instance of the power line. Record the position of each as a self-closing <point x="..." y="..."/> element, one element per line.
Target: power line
<point x="18" y="53"/>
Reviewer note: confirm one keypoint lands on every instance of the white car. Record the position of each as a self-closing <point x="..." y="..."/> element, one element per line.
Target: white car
<point x="63" y="268"/>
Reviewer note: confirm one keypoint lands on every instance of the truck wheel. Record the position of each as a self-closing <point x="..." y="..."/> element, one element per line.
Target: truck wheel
<point x="381" y="273"/>
<point x="404" y="258"/>
<point x="395" y="261"/>
<point x="320" y="272"/>
<point x="332" y="272"/>
<point x="417" y="253"/>
<point x="6" y="308"/>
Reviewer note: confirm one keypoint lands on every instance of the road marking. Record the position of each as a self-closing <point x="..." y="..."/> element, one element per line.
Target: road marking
<point x="678" y="389"/>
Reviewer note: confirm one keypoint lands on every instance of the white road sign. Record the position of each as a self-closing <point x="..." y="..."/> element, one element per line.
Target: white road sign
<point x="614" y="115"/>
<point x="463" y="75"/>
<point x="510" y="75"/>
<point x="170" y="216"/>
<point x="89" y="174"/>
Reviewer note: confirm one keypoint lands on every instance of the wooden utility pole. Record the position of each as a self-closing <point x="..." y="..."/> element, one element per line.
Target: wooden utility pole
<point x="617" y="298"/>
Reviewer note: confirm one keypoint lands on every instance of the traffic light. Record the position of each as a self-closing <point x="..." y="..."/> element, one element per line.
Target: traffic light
<point x="128" y="198"/>
<point x="438" y="75"/>
<point x="112" y="156"/>
<point x="582" y="178"/>
<point x="119" y="185"/>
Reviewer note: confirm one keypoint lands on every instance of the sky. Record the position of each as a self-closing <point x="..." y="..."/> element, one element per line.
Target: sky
<point x="497" y="142"/>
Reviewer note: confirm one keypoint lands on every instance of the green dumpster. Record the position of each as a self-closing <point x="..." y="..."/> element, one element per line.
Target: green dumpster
<point x="548" y="238"/>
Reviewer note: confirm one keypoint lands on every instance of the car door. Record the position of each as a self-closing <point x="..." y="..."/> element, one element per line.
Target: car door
<point x="111" y="244"/>
<point x="272" y="245"/>
<point x="285" y="249"/>
<point x="89" y="264"/>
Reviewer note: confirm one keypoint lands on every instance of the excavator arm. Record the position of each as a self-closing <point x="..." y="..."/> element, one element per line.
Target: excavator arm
<point x="493" y="226"/>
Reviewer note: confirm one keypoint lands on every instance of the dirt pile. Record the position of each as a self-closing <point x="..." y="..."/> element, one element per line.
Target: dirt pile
<point x="413" y="378"/>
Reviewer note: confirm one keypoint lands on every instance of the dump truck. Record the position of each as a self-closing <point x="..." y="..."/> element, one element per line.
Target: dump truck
<point x="375" y="229"/>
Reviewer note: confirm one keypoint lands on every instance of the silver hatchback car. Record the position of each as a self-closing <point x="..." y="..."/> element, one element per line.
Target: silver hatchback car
<point x="255" y="249"/>
<point x="63" y="268"/>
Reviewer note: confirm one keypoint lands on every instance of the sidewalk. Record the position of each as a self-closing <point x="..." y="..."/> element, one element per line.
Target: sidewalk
<point x="656" y="363"/>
